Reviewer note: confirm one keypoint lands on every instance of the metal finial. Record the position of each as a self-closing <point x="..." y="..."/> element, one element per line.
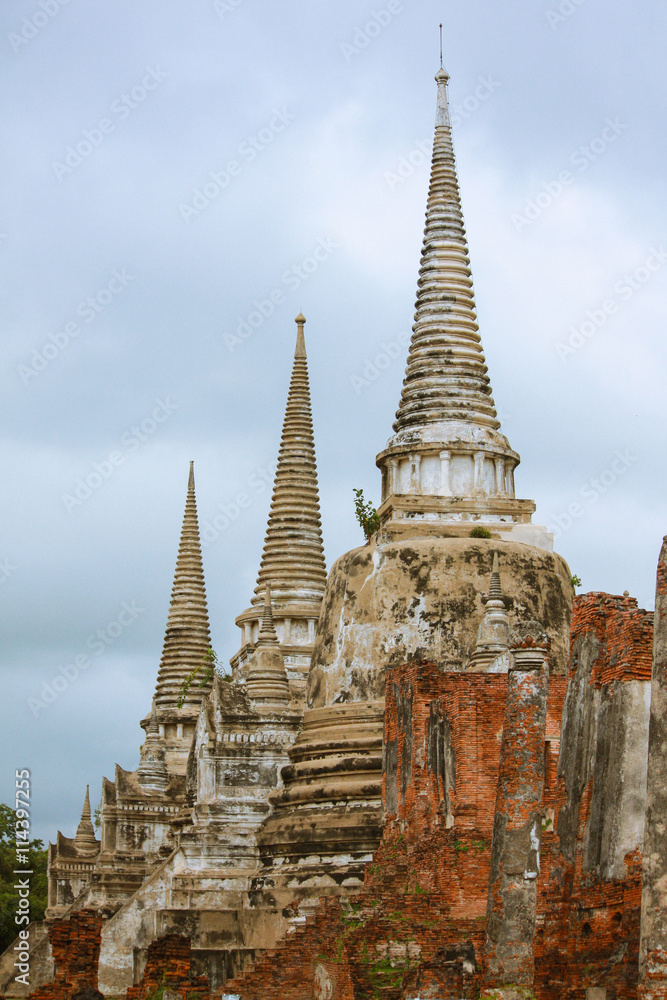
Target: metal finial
<point x="441" y="47"/>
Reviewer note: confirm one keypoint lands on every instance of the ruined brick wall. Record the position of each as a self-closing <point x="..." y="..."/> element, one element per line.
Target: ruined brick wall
<point x="589" y="907"/>
<point x="418" y="927"/>
<point x="419" y="924"/>
<point x="168" y="967"/>
<point x="443" y="734"/>
<point x="517" y="826"/>
<point x="75" y="943"/>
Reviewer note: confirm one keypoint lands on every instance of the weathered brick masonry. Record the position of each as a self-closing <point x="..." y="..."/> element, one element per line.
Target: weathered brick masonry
<point x="457" y="753"/>
<point x="517" y="824"/>
<point x="75" y="943"/>
<point x="418" y="927"/>
<point x="589" y="905"/>
<point x="168" y="967"/>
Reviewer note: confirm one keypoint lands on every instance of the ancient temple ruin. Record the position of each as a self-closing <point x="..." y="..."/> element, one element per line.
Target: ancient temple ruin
<point x="426" y="775"/>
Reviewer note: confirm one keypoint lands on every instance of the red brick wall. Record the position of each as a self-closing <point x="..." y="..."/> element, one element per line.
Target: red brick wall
<point x="75" y="943"/>
<point x="625" y="633"/>
<point x="588" y="927"/>
<point x="419" y="924"/>
<point x="168" y="966"/>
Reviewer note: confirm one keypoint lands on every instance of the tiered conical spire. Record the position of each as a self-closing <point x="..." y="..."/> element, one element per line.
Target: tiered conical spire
<point x="446" y="441"/>
<point x="187" y="637"/>
<point x="267" y="680"/>
<point x="85" y="835"/>
<point x="293" y="557"/>
<point x="494" y="631"/>
<point x="267" y="630"/>
<point x="152" y="771"/>
<point x="446" y="376"/>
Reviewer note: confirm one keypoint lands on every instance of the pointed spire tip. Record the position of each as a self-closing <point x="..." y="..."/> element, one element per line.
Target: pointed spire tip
<point x="300" y="349"/>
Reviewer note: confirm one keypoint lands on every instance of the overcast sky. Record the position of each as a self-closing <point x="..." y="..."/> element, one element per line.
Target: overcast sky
<point x="170" y="170"/>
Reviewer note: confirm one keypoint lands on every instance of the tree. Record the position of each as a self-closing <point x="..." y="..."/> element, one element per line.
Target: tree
<point x="37" y="857"/>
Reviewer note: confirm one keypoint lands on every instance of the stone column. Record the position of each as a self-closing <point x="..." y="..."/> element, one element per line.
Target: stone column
<point x="500" y="477"/>
<point x="510" y="482"/>
<point x="517" y="828"/>
<point x="415" y="473"/>
<point x="393" y="476"/>
<point x="479" y="470"/>
<point x="445" y="488"/>
<point x="653" y="935"/>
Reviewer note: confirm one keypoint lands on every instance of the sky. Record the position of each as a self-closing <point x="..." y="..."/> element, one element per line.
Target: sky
<point x="179" y="181"/>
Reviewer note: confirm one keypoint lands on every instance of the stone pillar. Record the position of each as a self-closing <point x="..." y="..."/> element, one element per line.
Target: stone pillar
<point x="517" y="828"/>
<point x="500" y="477"/>
<point x="653" y="935"/>
<point x="445" y="488"/>
<point x="479" y="471"/>
<point x="415" y="473"/>
<point x="393" y="476"/>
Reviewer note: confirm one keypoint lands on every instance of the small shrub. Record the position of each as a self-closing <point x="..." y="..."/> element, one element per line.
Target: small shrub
<point x="367" y="515"/>
<point x="480" y="532"/>
<point x="205" y="671"/>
